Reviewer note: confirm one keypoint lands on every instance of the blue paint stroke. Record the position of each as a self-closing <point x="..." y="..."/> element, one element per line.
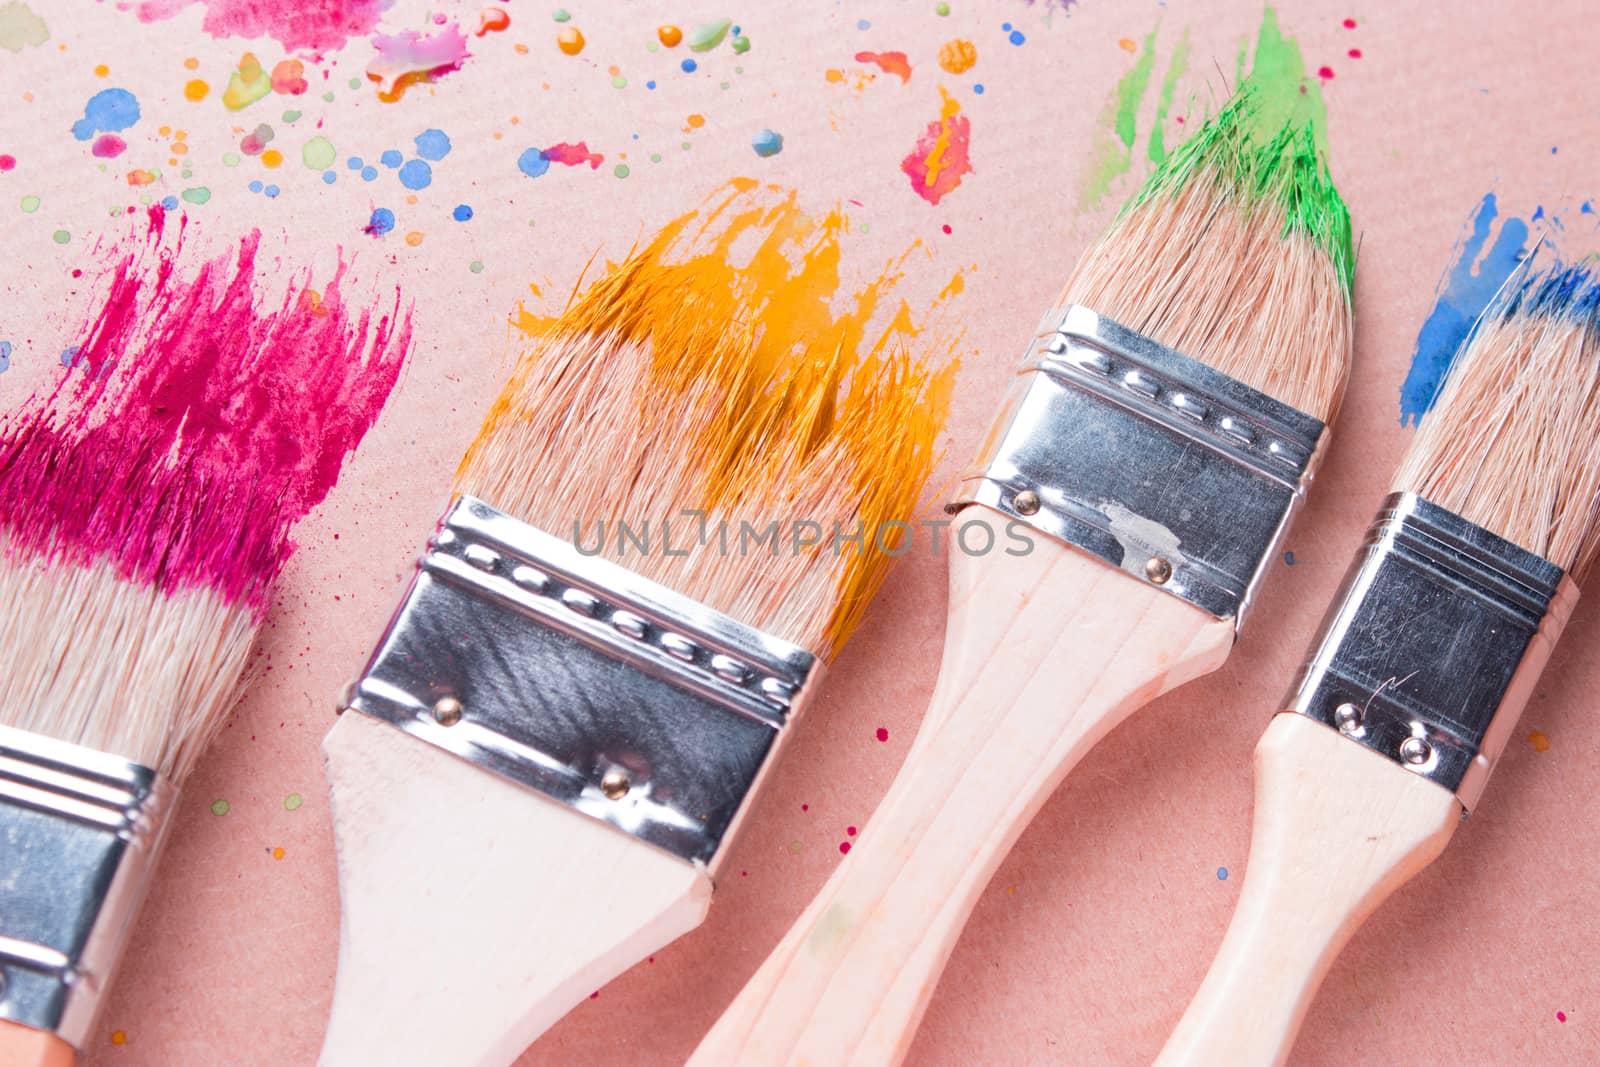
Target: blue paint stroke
<point x="108" y="111"/>
<point x="1464" y="292"/>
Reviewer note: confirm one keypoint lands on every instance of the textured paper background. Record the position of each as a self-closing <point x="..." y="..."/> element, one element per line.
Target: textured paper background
<point x="1101" y="922"/>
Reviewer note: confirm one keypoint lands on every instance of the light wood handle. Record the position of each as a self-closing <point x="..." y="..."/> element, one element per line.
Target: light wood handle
<point x="23" y="1046"/>
<point x="1337" y="828"/>
<point x="1043" y="655"/>
<point x="476" y="913"/>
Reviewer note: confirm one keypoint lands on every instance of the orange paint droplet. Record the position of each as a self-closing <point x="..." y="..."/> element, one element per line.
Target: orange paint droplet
<point x="835" y="75"/>
<point x="414" y="238"/>
<point x="492" y="20"/>
<point x="669" y="35"/>
<point x="520" y="48"/>
<point x="1127" y="44"/>
<point x="137" y="177"/>
<point x="958" y="56"/>
<point x="696" y="121"/>
<point x="271" y="158"/>
<point x="119" y="1037"/>
<point x="277" y="853"/>
<point x="101" y="71"/>
<point x="289" y="78"/>
<point x="196" y="90"/>
<point x="191" y="63"/>
<point x="179" y="148"/>
<point x="1539" y="740"/>
<point x="570" y="40"/>
<point x="164" y="131"/>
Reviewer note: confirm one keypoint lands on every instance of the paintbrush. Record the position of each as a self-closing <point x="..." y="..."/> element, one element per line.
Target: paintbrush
<point x="605" y="642"/>
<point x="1430" y="651"/>
<point x="1164" y="426"/>
<point x="145" y="508"/>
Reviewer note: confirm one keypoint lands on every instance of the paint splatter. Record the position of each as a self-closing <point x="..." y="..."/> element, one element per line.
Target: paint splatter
<point x="5" y="356"/>
<point x="323" y="26"/>
<point x="7" y="162"/>
<point x="570" y="40"/>
<point x="119" y="1037"/>
<point x="407" y="58"/>
<point x="535" y="161"/>
<point x="844" y="848"/>
<point x="669" y="35"/>
<point x="231" y="432"/>
<point x="939" y="161"/>
<point x="1222" y="874"/>
<point x="958" y="56"/>
<point x="278" y="853"/>
<point x="767" y="143"/>
<point x="1561" y="1016"/>
<point x="108" y="111"/>
<point x="247" y="84"/>
<point x="883" y="733"/>
<point x="289" y="78"/>
<point x="108" y="146"/>
<point x="433" y="145"/>
<point x="492" y="20"/>
<point x="706" y="36"/>
<point x="1112" y="155"/>
<point x="1539" y="740"/>
<point x="380" y="222"/>
<point x="1465" y="290"/>
<point x="318" y="153"/>
<point x="20" y="28"/>
<point x="888" y="62"/>
<point x="416" y="174"/>
<point x="219" y="807"/>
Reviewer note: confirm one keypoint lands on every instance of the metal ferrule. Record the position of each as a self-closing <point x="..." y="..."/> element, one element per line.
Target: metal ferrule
<point x="1154" y="462"/>
<point x="79" y="833"/>
<point x="1434" y="644"/>
<point x="574" y="676"/>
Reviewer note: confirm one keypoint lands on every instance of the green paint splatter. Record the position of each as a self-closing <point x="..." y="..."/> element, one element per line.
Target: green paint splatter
<point x="621" y="170"/>
<point x="741" y="45"/>
<point x="476" y="266"/>
<point x="318" y="153"/>
<point x="1113" y="151"/>
<point x="1284" y="95"/>
<point x="292" y="802"/>
<point x="941" y="9"/>
<point x="561" y="14"/>
<point x="230" y="159"/>
<point x="355" y="83"/>
<point x="1130" y="93"/>
<point x="20" y="28"/>
<point x="219" y="807"/>
<point x="1169" y="86"/>
<point x="619" y="82"/>
<point x="61" y="237"/>
<point x="30" y="204"/>
<point x="198" y="195"/>
<point x="291" y="116"/>
<point x="705" y="37"/>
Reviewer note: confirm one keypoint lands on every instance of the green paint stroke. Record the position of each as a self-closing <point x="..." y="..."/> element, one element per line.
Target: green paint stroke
<point x="1284" y="95"/>
<point x="1169" y="87"/>
<point x="1113" y="149"/>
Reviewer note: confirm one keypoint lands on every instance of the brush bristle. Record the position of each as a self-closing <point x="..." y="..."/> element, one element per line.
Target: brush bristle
<point x="713" y="398"/>
<point x="1512" y="442"/>
<point x="1236" y="252"/>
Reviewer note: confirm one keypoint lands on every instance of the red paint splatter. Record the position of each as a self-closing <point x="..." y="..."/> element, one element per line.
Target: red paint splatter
<point x="888" y="62"/>
<point x="850" y="831"/>
<point x="574" y="155"/>
<point x="805" y="807"/>
<point x="1349" y="24"/>
<point x="1325" y="73"/>
<point x="322" y="26"/>
<point x="108" y="146"/>
<point x="408" y="57"/>
<point x="1561" y="1016"/>
<point x="8" y="162"/>
<point x="199" y="421"/>
<point x="883" y="731"/>
<point x="1355" y="53"/>
<point x="939" y="160"/>
<point x="492" y="20"/>
<point x="844" y="847"/>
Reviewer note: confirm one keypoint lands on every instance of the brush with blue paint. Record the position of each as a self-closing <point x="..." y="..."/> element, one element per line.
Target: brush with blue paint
<point x="1428" y="655"/>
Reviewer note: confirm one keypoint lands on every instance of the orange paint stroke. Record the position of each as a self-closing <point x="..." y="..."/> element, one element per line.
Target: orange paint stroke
<point x="888" y="62"/>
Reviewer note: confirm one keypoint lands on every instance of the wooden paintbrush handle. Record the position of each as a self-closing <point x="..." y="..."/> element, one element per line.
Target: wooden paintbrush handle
<point x="1044" y="654"/>
<point x="476" y="913"/>
<point x="1337" y="828"/>
<point x="23" y="1046"/>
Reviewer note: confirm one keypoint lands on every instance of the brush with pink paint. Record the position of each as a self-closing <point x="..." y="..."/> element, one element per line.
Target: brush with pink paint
<point x="146" y="501"/>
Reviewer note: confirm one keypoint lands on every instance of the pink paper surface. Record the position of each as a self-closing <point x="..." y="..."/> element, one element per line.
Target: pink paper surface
<point x="1100" y="924"/>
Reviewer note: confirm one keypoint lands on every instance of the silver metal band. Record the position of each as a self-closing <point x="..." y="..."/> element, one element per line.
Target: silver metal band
<point x="574" y="676"/>
<point x="1147" y="459"/>
<point x="1434" y="644"/>
<point x="79" y="833"/>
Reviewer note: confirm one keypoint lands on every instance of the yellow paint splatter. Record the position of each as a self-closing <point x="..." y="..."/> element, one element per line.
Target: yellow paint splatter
<point x="958" y="56"/>
<point x="1539" y="740"/>
<point x="934" y="161"/>
<point x="101" y="71"/>
<point x="196" y="90"/>
<point x="570" y="40"/>
<point x="247" y="84"/>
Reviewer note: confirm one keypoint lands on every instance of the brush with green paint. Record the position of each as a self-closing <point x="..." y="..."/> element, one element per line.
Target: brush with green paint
<point x="1123" y="511"/>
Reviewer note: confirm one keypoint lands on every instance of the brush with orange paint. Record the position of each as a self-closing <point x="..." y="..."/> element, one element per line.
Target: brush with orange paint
<point x="542" y="763"/>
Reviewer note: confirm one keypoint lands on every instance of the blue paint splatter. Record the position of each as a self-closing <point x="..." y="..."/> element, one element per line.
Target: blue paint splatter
<point x="354" y="163"/>
<point x="382" y="222"/>
<point x="391" y="158"/>
<point x="256" y="186"/>
<point x="767" y="143"/>
<point x="1288" y="557"/>
<point x="369" y="174"/>
<point x="689" y="66"/>
<point x="978" y="88"/>
<point x="1464" y="292"/>
<point x="533" y="163"/>
<point x="433" y="145"/>
<point x="271" y="192"/>
<point x="1222" y="874"/>
<point x="416" y="175"/>
<point x="169" y="203"/>
<point x="107" y="111"/>
<point x="1587" y="208"/>
<point x="863" y="24"/>
<point x="69" y="356"/>
<point x="651" y="84"/>
<point x="1016" y="37"/>
<point x="329" y="177"/>
<point x="462" y="213"/>
<point x="5" y="356"/>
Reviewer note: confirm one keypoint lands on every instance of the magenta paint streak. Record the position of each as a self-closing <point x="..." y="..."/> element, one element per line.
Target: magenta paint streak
<point x="314" y="25"/>
<point x="574" y="155"/>
<point x="408" y="57"/>
<point x="199" y="422"/>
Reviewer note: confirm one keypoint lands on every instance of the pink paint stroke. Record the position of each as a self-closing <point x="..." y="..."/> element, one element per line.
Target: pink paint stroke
<point x="574" y="155"/>
<point x="942" y="154"/>
<point x="311" y="25"/>
<point x="198" y="422"/>
<point x="408" y="57"/>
